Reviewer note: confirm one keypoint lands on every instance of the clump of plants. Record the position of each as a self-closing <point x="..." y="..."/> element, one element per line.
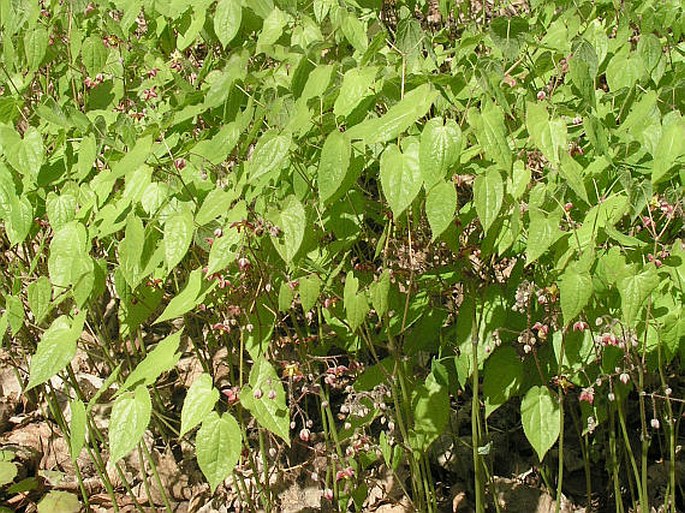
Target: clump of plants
<point x="340" y="236"/>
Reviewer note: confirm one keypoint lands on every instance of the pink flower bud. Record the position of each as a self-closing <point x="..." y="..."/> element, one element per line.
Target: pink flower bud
<point x="624" y="377"/>
<point x="258" y="393"/>
<point x="541" y="95"/>
<point x="655" y="423"/>
<point x="587" y="395"/>
<point x="305" y="435"/>
<point x="328" y="494"/>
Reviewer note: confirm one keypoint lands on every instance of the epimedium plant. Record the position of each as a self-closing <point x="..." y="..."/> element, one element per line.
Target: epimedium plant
<point x="492" y="205"/>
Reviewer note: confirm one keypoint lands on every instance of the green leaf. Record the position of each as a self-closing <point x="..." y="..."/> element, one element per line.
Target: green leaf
<point x="543" y="231"/>
<point x="215" y="204"/>
<point x="503" y="377"/>
<point x="128" y="422"/>
<point x="317" y="82"/>
<point x="334" y="165"/>
<point x="492" y="134"/>
<point x="192" y="295"/>
<point x="400" y="177"/>
<point x="354" y="32"/>
<point x="28" y="154"/>
<point x="39" y="296"/>
<point x="431" y="407"/>
<point x="439" y="149"/>
<point x="380" y="291"/>
<point x="35" y="47"/>
<point x="219" y="443"/>
<point x="356" y="306"/>
<point x="56" y="349"/>
<point x="20" y="220"/>
<point x="93" y="55"/>
<point x="59" y="502"/>
<point x="178" y="234"/>
<point x="292" y="221"/>
<point x="227" y="19"/>
<point x="671" y="145"/>
<point x="399" y="117"/>
<point x="68" y="245"/>
<point x="356" y="85"/>
<point x="199" y="402"/>
<point x="15" y="313"/>
<point x="161" y="359"/>
<point x="224" y="250"/>
<point x="60" y="209"/>
<point x="575" y="290"/>
<point x="264" y="396"/>
<point x="310" y="288"/>
<point x="488" y="193"/>
<point x="131" y="251"/>
<point x="8" y="471"/>
<point x="634" y="291"/>
<point x="441" y="203"/>
<point x="272" y="29"/>
<point x="541" y="419"/>
<point x="572" y="172"/>
<point x="77" y="428"/>
<point x="579" y="71"/>
<point x="269" y="155"/>
<point x="549" y="136"/>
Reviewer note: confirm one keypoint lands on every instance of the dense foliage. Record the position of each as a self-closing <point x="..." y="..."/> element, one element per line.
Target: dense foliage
<point x="356" y="219"/>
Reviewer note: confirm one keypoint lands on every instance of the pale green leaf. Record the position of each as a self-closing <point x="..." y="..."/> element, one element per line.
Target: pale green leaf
<point x="227" y="19"/>
<point x="272" y="29"/>
<point x="35" y="47"/>
<point x="178" y="234"/>
<point x="400" y="175"/>
<point x="269" y="155"/>
<point x="161" y="359"/>
<point x="431" y="408"/>
<point x="93" y="55"/>
<point x="334" y="165"/>
<point x="543" y="231"/>
<point x="264" y="397"/>
<point x="128" y="422"/>
<point x="199" y="402"/>
<point x="575" y="290"/>
<point x="548" y="135"/>
<point x="541" y="418"/>
<point x="219" y="443"/>
<point x="441" y="204"/>
<point x="399" y="117"/>
<point x="356" y="306"/>
<point x="503" y="377"/>
<point x="488" y="193"/>
<point x="56" y="349"/>
<point x="77" y="428"/>
<point x="439" y="149"/>
<point x="8" y="471"/>
<point x="634" y="291"/>
<point x="39" y="296"/>
<point x="291" y="219"/>
<point x="192" y="295"/>
<point x="356" y="85"/>
<point x="310" y="288"/>
<point x="354" y="32"/>
<point x="60" y="209"/>
<point x="59" y="502"/>
<point x="216" y="203"/>
<point x="671" y="145"/>
<point x="380" y="291"/>
<point x="492" y="134"/>
<point x="224" y="250"/>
